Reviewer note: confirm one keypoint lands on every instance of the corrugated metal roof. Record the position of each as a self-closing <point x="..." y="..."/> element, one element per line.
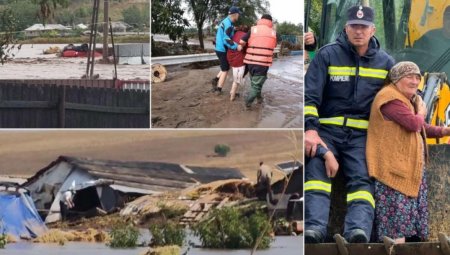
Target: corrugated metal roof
<point x="155" y="176"/>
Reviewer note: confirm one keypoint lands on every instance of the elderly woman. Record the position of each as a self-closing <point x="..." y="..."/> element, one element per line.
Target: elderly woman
<point x="396" y="155"/>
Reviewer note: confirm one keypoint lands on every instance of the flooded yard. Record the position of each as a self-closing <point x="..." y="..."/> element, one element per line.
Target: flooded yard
<point x="185" y="100"/>
<point x="30" y="63"/>
<point x="283" y="245"/>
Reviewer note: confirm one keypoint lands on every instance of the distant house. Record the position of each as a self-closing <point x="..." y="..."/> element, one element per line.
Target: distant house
<point x="120" y="26"/>
<point x="38" y="29"/>
<point x="81" y="26"/>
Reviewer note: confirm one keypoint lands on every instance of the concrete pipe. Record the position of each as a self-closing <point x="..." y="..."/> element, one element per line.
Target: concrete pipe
<point x="159" y="73"/>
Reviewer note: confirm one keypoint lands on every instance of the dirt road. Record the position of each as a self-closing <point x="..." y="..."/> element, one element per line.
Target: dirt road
<point x="24" y="152"/>
<point x="184" y="100"/>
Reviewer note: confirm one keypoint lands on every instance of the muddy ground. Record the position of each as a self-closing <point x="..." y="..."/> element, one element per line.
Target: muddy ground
<point x="185" y="99"/>
<point x="30" y="63"/>
<point x="23" y="153"/>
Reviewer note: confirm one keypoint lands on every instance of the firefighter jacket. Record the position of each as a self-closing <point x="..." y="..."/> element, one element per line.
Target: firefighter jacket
<point x="262" y="42"/>
<point x="223" y="36"/>
<point x="340" y="85"/>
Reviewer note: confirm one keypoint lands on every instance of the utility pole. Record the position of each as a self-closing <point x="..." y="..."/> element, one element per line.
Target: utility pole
<point x="105" y="29"/>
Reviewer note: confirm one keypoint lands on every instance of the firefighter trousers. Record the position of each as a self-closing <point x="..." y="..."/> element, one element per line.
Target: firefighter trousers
<point x="351" y="155"/>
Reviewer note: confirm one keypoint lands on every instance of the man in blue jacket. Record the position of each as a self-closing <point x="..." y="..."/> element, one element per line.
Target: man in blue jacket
<point x="224" y="41"/>
<point x="340" y="85"/>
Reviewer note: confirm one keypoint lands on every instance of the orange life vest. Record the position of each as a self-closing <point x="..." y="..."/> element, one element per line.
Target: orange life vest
<point x="262" y="42"/>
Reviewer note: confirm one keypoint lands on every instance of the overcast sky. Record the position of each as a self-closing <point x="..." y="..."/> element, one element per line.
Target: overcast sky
<point x="287" y="10"/>
<point x="281" y="10"/>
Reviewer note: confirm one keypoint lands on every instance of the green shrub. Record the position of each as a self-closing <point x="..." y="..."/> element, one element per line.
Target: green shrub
<point x="168" y="233"/>
<point x="124" y="236"/>
<point x="3" y="241"/>
<point x="227" y="228"/>
<point x="222" y="150"/>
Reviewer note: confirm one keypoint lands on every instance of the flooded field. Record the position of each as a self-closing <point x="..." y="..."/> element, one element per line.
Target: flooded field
<point x="30" y="63"/>
<point x="281" y="246"/>
<point x="185" y="100"/>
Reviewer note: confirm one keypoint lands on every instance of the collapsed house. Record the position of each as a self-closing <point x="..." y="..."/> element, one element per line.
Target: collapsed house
<point x="288" y="192"/>
<point x="95" y="186"/>
<point x="18" y="216"/>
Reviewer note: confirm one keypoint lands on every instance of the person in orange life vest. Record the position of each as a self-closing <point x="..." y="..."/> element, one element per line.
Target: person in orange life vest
<point x="261" y="40"/>
<point x="236" y="60"/>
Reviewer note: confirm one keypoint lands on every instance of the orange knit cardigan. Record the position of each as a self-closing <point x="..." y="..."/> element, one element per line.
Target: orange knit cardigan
<point x="394" y="155"/>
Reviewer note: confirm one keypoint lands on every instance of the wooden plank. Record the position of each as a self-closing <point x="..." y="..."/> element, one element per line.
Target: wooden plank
<point x="199" y="216"/>
<point x="223" y="202"/>
<point x="26" y="104"/>
<point x="62" y="107"/>
<point x="105" y="109"/>
<point x="425" y="248"/>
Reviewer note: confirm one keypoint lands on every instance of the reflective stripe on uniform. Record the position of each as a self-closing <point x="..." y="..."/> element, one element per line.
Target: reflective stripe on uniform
<point x="373" y="73"/>
<point x="361" y="195"/>
<point x="339" y="121"/>
<point x="363" y="71"/>
<point x="317" y="185"/>
<point x="342" y="70"/>
<point x="311" y="110"/>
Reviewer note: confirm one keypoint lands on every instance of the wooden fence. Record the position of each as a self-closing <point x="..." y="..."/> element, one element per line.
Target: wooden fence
<point x="99" y="83"/>
<point x="54" y="106"/>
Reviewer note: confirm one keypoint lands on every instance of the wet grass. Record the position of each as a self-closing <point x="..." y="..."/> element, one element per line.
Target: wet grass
<point x="228" y="228"/>
<point x="3" y="240"/>
<point x="124" y="236"/>
<point x="169" y="233"/>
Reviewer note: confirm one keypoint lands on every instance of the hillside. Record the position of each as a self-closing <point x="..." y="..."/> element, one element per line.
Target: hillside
<point x="24" y="152"/>
<point x="79" y="11"/>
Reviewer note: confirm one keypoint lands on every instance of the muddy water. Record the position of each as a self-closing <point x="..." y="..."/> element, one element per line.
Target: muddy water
<point x="283" y="98"/>
<point x="30" y="63"/>
<point x="281" y="245"/>
<point x="283" y="94"/>
<point x="27" y="248"/>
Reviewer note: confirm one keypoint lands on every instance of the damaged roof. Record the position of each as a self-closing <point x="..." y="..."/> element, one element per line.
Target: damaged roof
<point x="155" y="176"/>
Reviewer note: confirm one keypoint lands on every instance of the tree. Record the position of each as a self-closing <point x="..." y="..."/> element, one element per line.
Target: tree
<point x="315" y="16"/>
<point x="8" y="25"/>
<point x="47" y="7"/>
<point x="216" y="10"/>
<point x="252" y="10"/>
<point x="221" y="149"/>
<point x="167" y="18"/>
<point x="24" y="13"/>
<point x="132" y="15"/>
<point x="287" y="28"/>
<point x="200" y="9"/>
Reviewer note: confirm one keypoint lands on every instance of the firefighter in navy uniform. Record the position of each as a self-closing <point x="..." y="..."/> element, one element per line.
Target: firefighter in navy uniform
<point x="340" y="85"/>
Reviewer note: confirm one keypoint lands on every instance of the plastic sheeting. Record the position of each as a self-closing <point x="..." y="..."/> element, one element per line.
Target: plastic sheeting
<point x="19" y="217"/>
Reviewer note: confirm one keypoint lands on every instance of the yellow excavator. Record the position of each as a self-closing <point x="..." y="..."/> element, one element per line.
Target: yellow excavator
<point x="399" y="25"/>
